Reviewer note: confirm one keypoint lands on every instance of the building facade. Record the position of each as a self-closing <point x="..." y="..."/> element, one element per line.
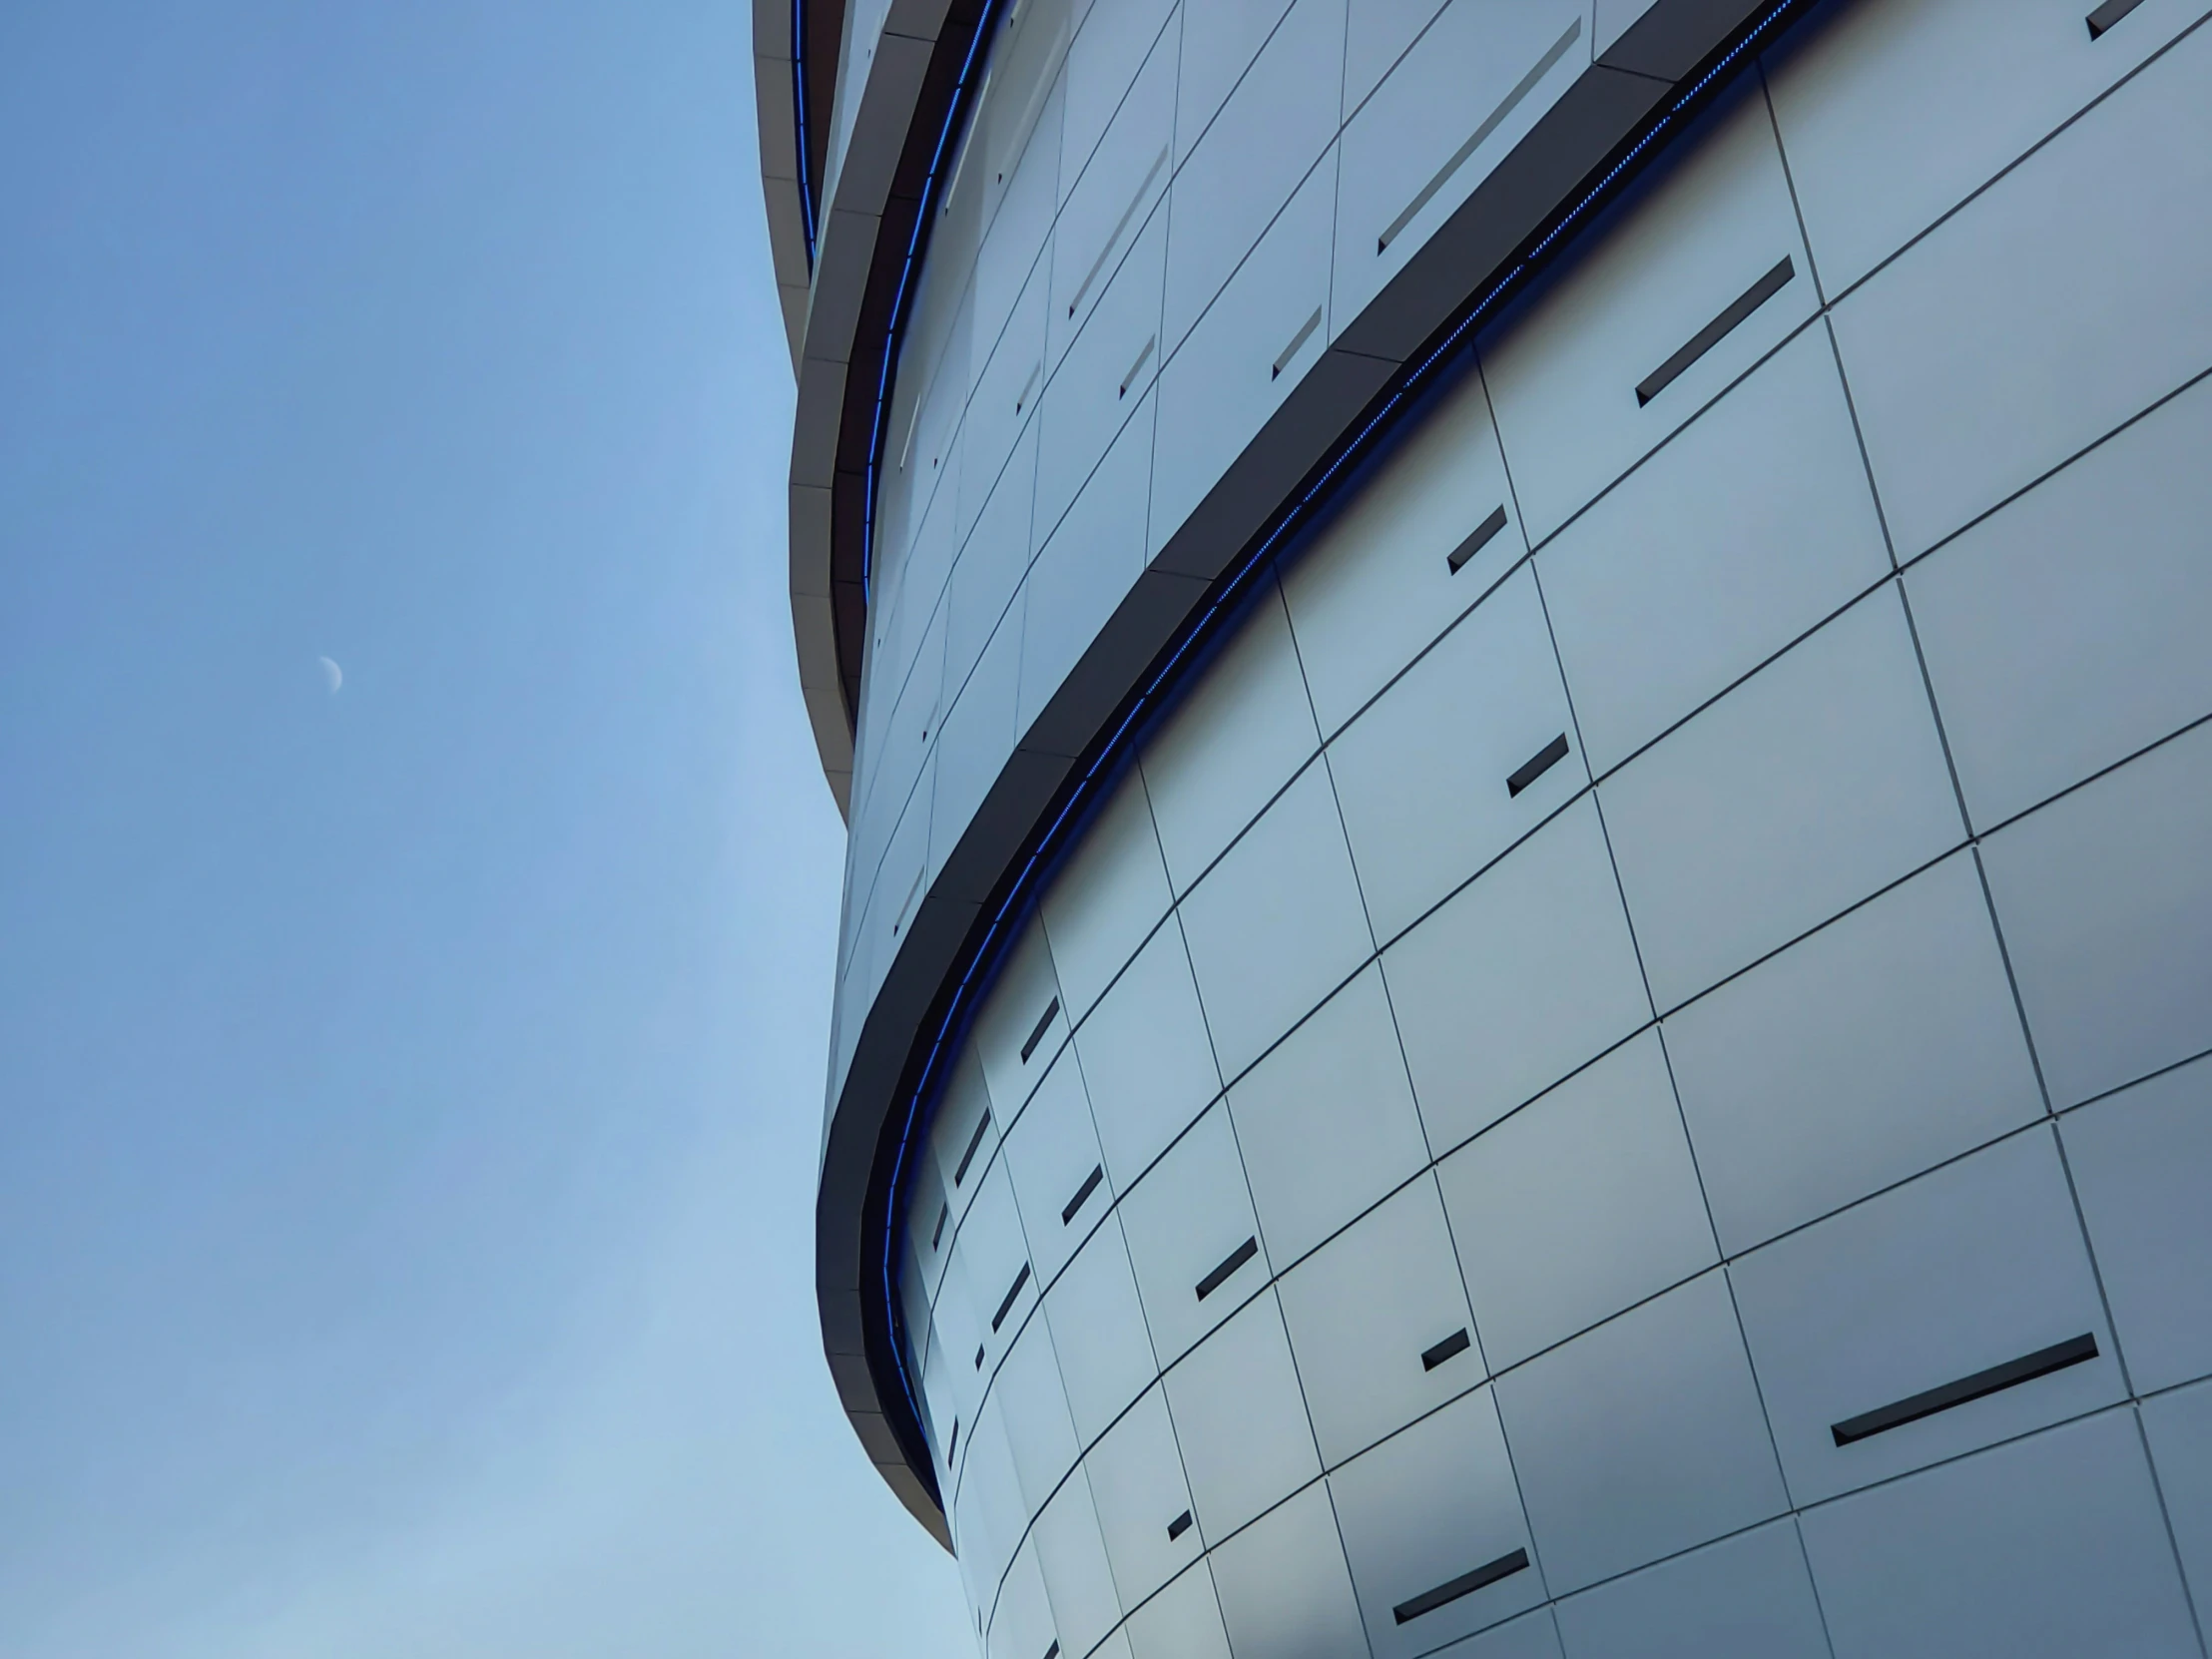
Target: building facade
<point x="1523" y="691"/>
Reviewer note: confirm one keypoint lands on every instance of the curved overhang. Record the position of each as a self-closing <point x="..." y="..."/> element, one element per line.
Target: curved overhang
<point x="1647" y="79"/>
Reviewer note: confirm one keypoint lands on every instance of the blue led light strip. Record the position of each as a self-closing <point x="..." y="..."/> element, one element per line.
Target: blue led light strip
<point x="799" y="126"/>
<point x="1022" y="891"/>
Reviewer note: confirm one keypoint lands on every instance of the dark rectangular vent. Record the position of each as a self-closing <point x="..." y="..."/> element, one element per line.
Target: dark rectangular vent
<point x="1405" y="1612"/>
<point x="1044" y="1024"/>
<point x="1229" y="1263"/>
<point x="1052" y="1652"/>
<point x="1006" y="1301"/>
<point x="2108" y="14"/>
<point x="978" y="1356"/>
<point x="952" y="1446"/>
<point x="936" y="1235"/>
<point x="1137" y="367"/>
<point x="1178" y="1526"/>
<point x="2010" y="1374"/>
<point x="1490" y="124"/>
<point x="1306" y="328"/>
<point x="1456" y="560"/>
<point x="1089" y="1186"/>
<point x="1538" y="765"/>
<point x="1450" y="1348"/>
<point x="1114" y="240"/>
<point x="1716" y="331"/>
<point x="976" y="1140"/>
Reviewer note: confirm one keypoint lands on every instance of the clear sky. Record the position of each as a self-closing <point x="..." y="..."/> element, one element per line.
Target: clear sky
<point x="409" y="1096"/>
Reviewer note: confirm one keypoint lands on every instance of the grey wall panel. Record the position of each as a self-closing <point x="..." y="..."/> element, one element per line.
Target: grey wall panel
<point x="1534" y="1635"/>
<point x="1327" y="1121"/>
<point x="1033" y="1406"/>
<point x="1236" y="739"/>
<point x="1019" y="1030"/>
<point x="1376" y="35"/>
<point x="1098" y="1330"/>
<point x="2067" y="630"/>
<point x="2047" y="1548"/>
<point x="974" y="739"/>
<point x="993" y="1255"/>
<point x="1580" y="1204"/>
<point x="1005" y="401"/>
<point x="1746" y="1595"/>
<point x="1104" y="375"/>
<point x="1373" y="1315"/>
<point x="1810" y="785"/>
<point x="1973" y="362"/>
<point x="1182" y="1623"/>
<point x="1880" y="143"/>
<point x="964" y="1136"/>
<point x="1269" y="131"/>
<point x="2106" y="900"/>
<point x="1752" y="525"/>
<point x="1146" y="1057"/>
<point x="1188" y="1224"/>
<point x="1112" y="45"/>
<point x="1424" y="1508"/>
<point x="1094" y="557"/>
<point x="1521" y="979"/>
<point x="1022" y="1624"/>
<point x="1967" y="1268"/>
<point x="1882" y="1046"/>
<point x="1078" y="1578"/>
<point x="1050" y="1154"/>
<point x="1107" y="898"/>
<point x="1242" y="360"/>
<point x="1376" y="584"/>
<point x="988" y="571"/>
<point x="1426" y="773"/>
<point x="1022" y="219"/>
<point x="2143" y="1165"/>
<point x="1276" y="925"/>
<point x="1219" y="43"/>
<point x="1485" y="72"/>
<point x="1137" y="1484"/>
<point x="1640" y="1439"/>
<point x="1283" y="1584"/>
<point x="2178" y="1426"/>
<point x="1115" y="198"/>
<point x="1563" y="366"/>
<point x="1241" y="1419"/>
<point x="987" y="1510"/>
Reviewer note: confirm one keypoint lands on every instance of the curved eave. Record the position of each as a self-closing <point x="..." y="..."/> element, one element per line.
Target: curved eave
<point x="1580" y="148"/>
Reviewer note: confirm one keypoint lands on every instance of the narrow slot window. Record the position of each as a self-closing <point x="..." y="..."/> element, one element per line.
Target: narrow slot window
<point x="976" y="1140"/>
<point x="2108" y="14"/>
<point x="1305" y="331"/>
<point x="1740" y="308"/>
<point x="1121" y="224"/>
<point x="1450" y="1348"/>
<point x="1538" y="765"/>
<point x="1129" y="379"/>
<point x="1178" y="1526"/>
<point x="936" y="1233"/>
<point x="2026" y="1369"/>
<point x="1229" y="1263"/>
<point x="978" y="1356"/>
<point x="1053" y="1652"/>
<point x="1456" y="560"/>
<point x="1006" y="1301"/>
<point x="1089" y="1186"/>
<point x="1490" y="124"/>
<point x="1445" y="1594"/>
<point x="1027" y="387"/>
<point x="905" y="910"/>
<point x="952" y="1446"/>
<point x="1036" y="1035"/>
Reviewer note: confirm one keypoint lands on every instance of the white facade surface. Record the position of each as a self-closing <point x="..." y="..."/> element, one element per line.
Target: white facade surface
<point x="1629" y="1069"/>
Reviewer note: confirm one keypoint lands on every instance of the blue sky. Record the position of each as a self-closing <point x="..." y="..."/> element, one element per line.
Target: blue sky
<point x="409" y="1097"/>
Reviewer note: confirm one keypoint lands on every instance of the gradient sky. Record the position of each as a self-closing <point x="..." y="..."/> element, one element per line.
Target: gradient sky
<point x="409" y="1097"/>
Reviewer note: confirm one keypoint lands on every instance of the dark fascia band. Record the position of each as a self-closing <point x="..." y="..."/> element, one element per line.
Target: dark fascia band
<point x="975" y="965"/>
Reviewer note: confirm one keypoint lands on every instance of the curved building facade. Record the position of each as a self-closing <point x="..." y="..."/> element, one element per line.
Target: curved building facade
<point x="1523" y="692"/>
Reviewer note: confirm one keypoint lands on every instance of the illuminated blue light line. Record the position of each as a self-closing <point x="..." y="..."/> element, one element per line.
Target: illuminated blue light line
<point x="799" y="124"/>
<point x="1046" y="848"/>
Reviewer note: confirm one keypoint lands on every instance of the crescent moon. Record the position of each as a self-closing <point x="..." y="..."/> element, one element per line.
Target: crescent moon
<point x="333" y="674"/>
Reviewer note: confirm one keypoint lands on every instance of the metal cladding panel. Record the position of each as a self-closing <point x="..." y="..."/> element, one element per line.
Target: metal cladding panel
<point x="1424" y="975"/>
